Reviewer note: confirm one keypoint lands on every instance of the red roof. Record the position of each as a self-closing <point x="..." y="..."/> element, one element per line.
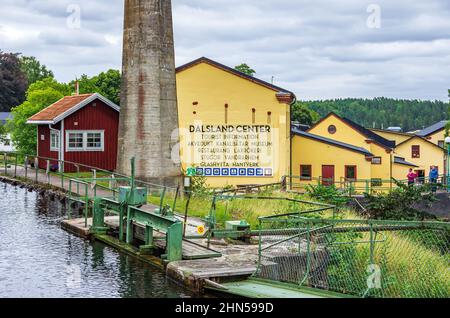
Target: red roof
<point x="66" y="106"/>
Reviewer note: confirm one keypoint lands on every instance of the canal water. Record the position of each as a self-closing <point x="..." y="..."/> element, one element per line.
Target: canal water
<point x="40" y="260"/>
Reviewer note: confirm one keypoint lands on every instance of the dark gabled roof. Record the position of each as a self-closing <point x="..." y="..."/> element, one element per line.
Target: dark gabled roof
<point x="432" y="129"/>
<point x="332" y="142"/>
<point x="391" y="132"/>
<point x="370" y="134"/>
<point x="364" y="131"/>
<point x="402" y="161"/>
<point x="235" y="72"/>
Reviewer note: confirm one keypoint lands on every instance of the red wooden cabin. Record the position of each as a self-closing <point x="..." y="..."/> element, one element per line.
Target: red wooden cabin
<point x="81" y="129"/>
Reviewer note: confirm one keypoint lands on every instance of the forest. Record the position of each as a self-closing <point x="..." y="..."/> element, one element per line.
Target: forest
<point x="384" y="112"/>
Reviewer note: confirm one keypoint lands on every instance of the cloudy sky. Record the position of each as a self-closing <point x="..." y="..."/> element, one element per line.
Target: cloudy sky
<point x="318" y="49"/>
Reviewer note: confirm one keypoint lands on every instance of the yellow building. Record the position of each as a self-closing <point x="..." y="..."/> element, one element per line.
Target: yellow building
<point x="234" y="128"/>
<point x="340" y="150"/>
<point x="398" y="137"/>
<point x="422" y="153"/>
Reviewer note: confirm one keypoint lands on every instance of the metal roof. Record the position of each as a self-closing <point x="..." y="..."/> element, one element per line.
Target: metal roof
<point x="402" y="161"/>
<point x="332" y="142"/>
<point x="433" y="128"/>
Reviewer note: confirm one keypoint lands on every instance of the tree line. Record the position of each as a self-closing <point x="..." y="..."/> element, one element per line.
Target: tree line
<point x="384" y="112"/>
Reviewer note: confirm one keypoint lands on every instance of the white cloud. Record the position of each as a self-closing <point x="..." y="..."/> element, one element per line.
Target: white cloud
<point x="318" y="49"/>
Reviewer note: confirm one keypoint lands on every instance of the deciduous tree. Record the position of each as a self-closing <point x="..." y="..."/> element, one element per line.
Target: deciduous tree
<point x="13" y="82"/>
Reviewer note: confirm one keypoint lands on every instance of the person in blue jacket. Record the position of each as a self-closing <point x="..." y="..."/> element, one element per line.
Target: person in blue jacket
<point x="434" y="175"/>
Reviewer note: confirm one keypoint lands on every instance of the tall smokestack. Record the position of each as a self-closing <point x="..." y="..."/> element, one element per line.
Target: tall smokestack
<point x="149" y="114"/>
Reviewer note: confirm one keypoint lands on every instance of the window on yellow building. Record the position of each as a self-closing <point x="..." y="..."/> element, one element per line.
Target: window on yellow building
<point x="351" y="173"/>
<point x="415" y="151"/>
<point x="376" y="161"/>
<point x="377" y="182"/>
<point x="441" y="143"/>
<point x="306" y="172"/>
<point x="332" y="129"/>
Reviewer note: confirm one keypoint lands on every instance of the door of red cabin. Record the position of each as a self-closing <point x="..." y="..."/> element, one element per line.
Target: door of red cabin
<point x="327" y="175"/>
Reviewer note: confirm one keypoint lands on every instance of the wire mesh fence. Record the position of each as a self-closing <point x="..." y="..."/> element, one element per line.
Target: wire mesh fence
<point x="385" y="259"/>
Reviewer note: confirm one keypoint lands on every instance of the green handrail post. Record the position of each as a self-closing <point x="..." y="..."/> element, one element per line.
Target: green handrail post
<point x="15" y="165"/>
<point x="61" y="171"/>
<point x="258" y="268"/>
<point x="70" y="196"/>
<point x="26" y="167"/>
<point x="6" y="163"/>
<point x="133" y="173"/>
<point x="367" y="187"/>
<point x="161" y="201"/>
<point x="308" y="253"/>
<point x="176" y="198"/>
<point x="86" y="208"/>
<point x="36" y="168"/>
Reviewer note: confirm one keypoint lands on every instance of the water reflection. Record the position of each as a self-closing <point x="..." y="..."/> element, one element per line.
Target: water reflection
<point x="39" y="259"/>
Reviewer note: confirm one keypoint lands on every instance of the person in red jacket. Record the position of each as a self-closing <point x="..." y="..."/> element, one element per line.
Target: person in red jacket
<point x="411" y="177"/>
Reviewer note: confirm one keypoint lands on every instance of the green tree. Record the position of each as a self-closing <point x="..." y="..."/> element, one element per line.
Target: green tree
<point x="13" y="82"/>
<point x="39" y="95"/>
<point x="106" y="83"/>
<point x="302" y="114"/>
<point x="33" y="69"/>
<point x="244" y="68"/>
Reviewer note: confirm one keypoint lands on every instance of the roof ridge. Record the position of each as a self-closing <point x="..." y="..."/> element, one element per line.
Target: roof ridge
<point x="332" y="141"/>
<point x="230" y="69"/>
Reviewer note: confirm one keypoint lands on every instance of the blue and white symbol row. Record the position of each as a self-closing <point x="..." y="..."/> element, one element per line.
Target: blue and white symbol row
<point x="235" y="172"/>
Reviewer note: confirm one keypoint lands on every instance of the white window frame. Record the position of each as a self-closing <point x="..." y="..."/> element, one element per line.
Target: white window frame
<point x="55" y="134"/>
<point x="85" y="148"/>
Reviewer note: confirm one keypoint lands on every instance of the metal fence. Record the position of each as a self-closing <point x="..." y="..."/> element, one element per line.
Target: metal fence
<point x="387" y="259"/>
<point x="354" y="187"/>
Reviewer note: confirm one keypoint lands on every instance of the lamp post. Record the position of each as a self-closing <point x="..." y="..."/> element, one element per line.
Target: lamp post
<point x="447" y="142"/>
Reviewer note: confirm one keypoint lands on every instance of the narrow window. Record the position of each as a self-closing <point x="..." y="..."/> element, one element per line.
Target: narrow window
<point x="253" y="115"/>
<point x="54" y="140"/>
<point x="306" y="172"/>
<point x="351" y="173"/>
<point x="415" y="151"/>
<point x="269" y="118"/>
<point x="441" y="143"/>
<point x="226" y="113"/>
<point x="376" y="161"/>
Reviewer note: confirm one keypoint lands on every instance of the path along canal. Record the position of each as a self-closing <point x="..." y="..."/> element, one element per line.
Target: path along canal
<point x="40" y="260"/>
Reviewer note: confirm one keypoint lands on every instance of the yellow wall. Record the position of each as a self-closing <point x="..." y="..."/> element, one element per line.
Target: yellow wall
<point x="305" y="151"/>
<point x="347" y="134"/>
<point x="392" y="136"/>
<point x="212" y="88"/>
<point x="436" y="137"/>
<point x="430" y="155"/>
<point x="400" y="172"/>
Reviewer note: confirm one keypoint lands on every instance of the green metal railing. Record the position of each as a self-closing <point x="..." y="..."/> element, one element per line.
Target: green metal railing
<point x="353" y="187"/>
<point x="363" y="258"/>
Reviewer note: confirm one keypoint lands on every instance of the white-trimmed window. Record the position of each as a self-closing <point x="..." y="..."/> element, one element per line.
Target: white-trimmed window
<point x="54" y="140"/>
<point x="88" y="140"/>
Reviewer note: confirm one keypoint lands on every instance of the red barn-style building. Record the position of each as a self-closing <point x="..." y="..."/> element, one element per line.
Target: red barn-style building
<point x="82" y="129"/>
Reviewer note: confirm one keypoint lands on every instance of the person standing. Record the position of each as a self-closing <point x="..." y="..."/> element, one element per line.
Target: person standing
<point x="411" y="177"/>
<point x="434" y="175"/>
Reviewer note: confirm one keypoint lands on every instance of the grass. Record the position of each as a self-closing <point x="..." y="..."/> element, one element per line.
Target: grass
<point x="238" y="209"/>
